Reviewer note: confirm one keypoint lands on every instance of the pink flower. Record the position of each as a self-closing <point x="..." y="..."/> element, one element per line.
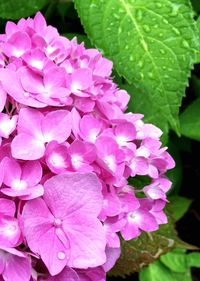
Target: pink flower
<point x="65" y="229"/>
<point x="14" y="265"/>
<point x="67" y="149"/>
<point x="136" y="221"/>
<point x="7" y="125"/>
<point x="10" y="233"/>
<point x="29" y="144"/>
<point x="23" y="180"/>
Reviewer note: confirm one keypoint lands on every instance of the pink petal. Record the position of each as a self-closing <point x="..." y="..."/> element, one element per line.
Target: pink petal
<point x="86" y="106"/>
<point x="125" y="132"/>
<point x="31" y="81"/>
<point x="130" y="231"/>
<point x="39" y="22"/>
<point x="17" y="44"/>
<point x="35" y="60"/>
<point x="12" y="171"/>
<point x="85" y="150"/>
<point x="9" y="231"/>
<point x="112" y="256"/>
<point x="11" y="28"/>
<point x="14" y="193"/>
<point x="57" y="157"/>
<point x="54" y="78"/>
<point x="81" y="79"/>
<point x="7" y="207"/>
<point x="90" y="274"/>
<point x="139" y="166"/>
<point x="90" y="127"/>
<point x="30" y="122"/>
<point x="68" y="274"/>
<point x="17" y="268"/>
<point x="26" y="147"/>
<point x="37" y="220"/>
<point x="75" y="121"/>
<point x="25" y="194"/>
<point x="145" y="220"/>
<point x="53" y="253"/>
<point x="57" y="125"/>
<point x="87" y="240"/>
<point x="7" y="124"/>
<point x="103" y="67"/>
<point x="63" y="199"/>
<point x="34" y="192"/>
<point x="12" y="85"/>
<point x="32" y="172"/>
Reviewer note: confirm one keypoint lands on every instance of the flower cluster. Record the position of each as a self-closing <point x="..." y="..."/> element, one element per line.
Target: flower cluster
<point x="67" y="150"/>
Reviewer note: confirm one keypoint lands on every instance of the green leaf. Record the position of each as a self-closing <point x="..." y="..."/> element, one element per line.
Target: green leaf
<point x="158" y="272"/>
<point x="196" y="5"/>
<point x="175" y="261"/>
<point x="145" y="249"/>
<point x="193" y="259"/>
<point x="153" y="44"/>
<point x="190" y="121"/>
<point x="12" y="9"/>
<point x="179" y="205"/>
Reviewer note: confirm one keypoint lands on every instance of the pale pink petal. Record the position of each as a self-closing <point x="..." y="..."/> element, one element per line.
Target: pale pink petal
<point x="73" y="193"/>
<point x="86" y="106"/>
<point x="130" y="231"/>
<point x="30" y="122"/>
<point x="12" y="85"/>
<point x="87" y="240"/>
<point x="75" y="121"/>
<point x="26" y="147"/>
<point x="57" y="157"/>
<point x="37" y="220"/>
<point x="122" y="98"/>
<point x="125" y="132"/>
<point x="81" y="79"/>
<point x="7" y="124"/>
<point x="34" y="192"/>
<point x="11" y="28"/>
<point x="57" y="125"/>
<point x="112" y="255"/>
<point x="54" y="78"/>
<point x="53" y="253"/>
<point x="14" y="192"/>
<point x="103" y="67"/>
<point x="25" y="194"/>
<point x="39" y="23"/>
<point x="90" y="128"/>
<point x="36" y="60"/>
<point x="17" y="44"/>
<point x="31" y="81"/>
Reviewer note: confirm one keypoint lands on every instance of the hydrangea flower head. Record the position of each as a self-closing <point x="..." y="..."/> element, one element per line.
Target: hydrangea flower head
<point x="67" y="150"/>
